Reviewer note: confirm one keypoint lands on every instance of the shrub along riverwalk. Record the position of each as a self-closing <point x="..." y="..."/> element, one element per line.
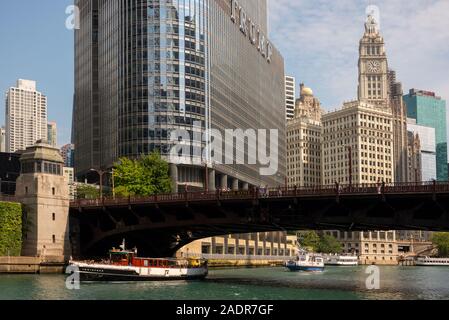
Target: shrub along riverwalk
<point x="10" y="229"/>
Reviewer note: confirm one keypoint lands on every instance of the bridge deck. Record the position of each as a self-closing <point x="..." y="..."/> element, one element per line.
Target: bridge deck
<point x="273" y="193"/>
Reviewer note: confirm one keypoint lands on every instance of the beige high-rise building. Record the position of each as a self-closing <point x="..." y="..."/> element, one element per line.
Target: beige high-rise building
<point x="367" y="143"/>
<point x="400" y="135"/>
<point x="290" y="96"/>
<point x="2" y="139"/>
<point x="357" y="145"/>
<point x="358" y="149"/>
<point x="26" y="116"/>
<point x="304" y="141"/>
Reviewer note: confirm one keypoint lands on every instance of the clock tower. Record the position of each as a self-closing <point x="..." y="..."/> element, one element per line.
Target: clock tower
<point x="378" y="87"/>
<point x="373" y="66"/>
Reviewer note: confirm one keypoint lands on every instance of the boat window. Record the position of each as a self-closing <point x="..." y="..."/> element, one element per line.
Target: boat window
<point x="146" y="263"/>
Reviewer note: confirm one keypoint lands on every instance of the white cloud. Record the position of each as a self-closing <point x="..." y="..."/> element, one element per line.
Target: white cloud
<point x="319" y="41"/>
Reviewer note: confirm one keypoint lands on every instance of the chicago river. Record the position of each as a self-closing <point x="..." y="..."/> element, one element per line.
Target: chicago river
<point x="396" y="283"/>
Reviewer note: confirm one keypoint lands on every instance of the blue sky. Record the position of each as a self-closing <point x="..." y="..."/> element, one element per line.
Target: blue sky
<point x="318" y="39"/>
<point x="37" y="46"/>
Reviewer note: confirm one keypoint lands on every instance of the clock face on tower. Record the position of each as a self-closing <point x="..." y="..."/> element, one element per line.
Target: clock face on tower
<point x="373" y="66"/>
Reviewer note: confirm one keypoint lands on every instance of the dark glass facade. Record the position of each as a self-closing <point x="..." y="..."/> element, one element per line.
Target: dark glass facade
<point x="9" y="172"/>
<point x="86" y="112"/>
<point x="144" y="68"/>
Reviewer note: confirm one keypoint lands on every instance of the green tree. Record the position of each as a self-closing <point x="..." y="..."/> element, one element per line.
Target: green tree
<point x="329" y="244"/>
<point x="310" y="240"/>
<point x="145" y="176"/>
<point x="441" y="240"/>
<point x="158" y="172"/>
<point x="128" y="176"/>
<point x="85" y="191"/>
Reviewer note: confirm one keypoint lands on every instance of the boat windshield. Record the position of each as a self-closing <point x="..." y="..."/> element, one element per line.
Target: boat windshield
<point x="196" y="263"/>
<point x="121" y="257"/>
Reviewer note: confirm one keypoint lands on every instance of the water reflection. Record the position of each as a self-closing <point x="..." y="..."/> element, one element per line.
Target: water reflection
<point x="397" y="283"/>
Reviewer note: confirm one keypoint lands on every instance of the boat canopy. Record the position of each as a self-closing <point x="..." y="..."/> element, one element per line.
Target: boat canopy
<point x="124" y="253"/>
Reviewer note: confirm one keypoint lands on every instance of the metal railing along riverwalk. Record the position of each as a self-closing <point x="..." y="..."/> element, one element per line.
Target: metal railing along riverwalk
<point x="270" y="193"/>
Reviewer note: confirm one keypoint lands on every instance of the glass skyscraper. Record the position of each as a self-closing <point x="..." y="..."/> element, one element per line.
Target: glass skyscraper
<point x="429" y="110"/>
<point x="427" y="140"/>
<point x="68" y="154"/>
<point x="145" y="68"/>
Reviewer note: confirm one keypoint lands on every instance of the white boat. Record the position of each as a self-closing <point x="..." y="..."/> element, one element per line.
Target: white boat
<point x="306" y="261"/>
<point x="341" y="260"/>
<point x="124" y="265"/>
<point x="432" y="262"/>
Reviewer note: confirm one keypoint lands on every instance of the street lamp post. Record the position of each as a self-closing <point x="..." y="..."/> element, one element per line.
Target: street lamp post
<point x="113" y="184"/>
<point x="206" y="178"/>
<point x="101" y="173"/>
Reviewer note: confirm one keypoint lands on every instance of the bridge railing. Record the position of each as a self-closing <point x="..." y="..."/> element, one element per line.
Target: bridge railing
<point x="279" y="192"/>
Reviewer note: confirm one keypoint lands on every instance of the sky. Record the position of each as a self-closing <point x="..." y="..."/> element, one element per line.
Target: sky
<point x="36" y="45"/>
<point x="318" y="39"/>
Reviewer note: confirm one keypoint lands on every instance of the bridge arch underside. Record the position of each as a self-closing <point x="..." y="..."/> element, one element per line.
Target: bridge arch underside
<point x="161" y="230"/>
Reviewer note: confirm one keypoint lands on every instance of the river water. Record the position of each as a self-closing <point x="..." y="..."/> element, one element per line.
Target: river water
<point x="336" y="283"/>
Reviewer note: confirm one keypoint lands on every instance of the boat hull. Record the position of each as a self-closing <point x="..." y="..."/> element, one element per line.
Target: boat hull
<point x="338" y="264"/>
<point x="304" y="268"/>
<point x="114" y="275"/>
<point x="95" y="277"/>
<point x="431" y="265"/>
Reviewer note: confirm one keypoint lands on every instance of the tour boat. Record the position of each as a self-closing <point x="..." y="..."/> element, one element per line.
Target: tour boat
<point x="306" y="261"/>
<point x="124" y="265"/>
<point x="341" y="260"/>
<point x="432" y="262"/>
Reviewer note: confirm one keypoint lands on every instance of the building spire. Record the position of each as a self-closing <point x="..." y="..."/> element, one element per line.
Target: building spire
<point x="371" y="25"/>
